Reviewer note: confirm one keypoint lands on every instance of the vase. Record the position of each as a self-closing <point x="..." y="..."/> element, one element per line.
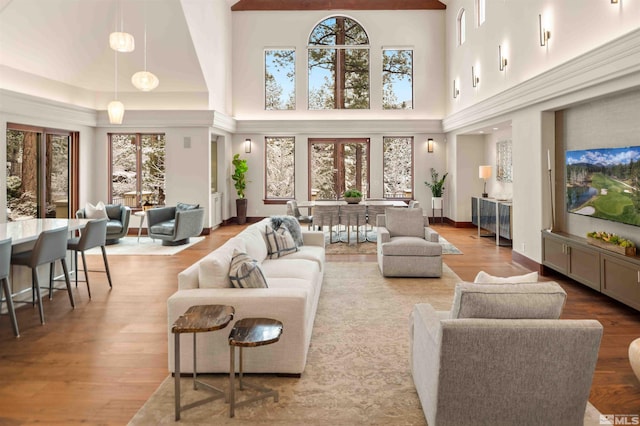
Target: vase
<point x="241" y="210"/>
<point x="353" y="200"/>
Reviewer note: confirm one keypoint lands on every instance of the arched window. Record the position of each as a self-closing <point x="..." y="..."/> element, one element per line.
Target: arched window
<point x="338" y="65"/>
<point x="461" y="27"/>
<point x="480" y="12"/>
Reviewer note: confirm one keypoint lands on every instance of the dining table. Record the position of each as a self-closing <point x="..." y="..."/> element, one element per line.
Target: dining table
<point x="313" y="203"/>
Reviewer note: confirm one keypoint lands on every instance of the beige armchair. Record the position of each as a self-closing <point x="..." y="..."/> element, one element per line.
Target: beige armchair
<point x="407" y="246"/>
<point x="501" y="356"/>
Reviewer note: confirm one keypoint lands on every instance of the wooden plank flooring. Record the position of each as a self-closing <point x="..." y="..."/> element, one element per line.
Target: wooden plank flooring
<point x="99" y="363"/>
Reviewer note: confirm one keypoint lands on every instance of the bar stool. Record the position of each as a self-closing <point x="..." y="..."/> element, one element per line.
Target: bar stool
<point x="250" y="332"/>
<point x="5" y="266"/>
<point x="50" y="246"/>
<point x="93" y="235"/>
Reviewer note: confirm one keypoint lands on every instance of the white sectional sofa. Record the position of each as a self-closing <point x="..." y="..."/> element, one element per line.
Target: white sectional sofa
<point x="294" y="283"/>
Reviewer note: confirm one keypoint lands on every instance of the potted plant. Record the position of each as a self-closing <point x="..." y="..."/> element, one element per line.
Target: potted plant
<point x="437" y="188"/>
<point x="352" y="196"/>
<point x="611" y="242"/>
<point x="240" y="184"/>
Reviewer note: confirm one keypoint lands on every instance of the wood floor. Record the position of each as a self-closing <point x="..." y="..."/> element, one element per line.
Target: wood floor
<point x="99" y="363"/>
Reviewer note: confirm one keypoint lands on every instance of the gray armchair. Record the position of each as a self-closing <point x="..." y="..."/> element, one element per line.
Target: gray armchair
<point x="118" y="225"/>
<point x="407" y="246"/>
<point x="175" y="225"/>
<point x="501" y="356"/>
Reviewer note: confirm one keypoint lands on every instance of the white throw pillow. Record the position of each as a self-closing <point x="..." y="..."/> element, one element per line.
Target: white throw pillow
<point x="280" y="242"/>
<point x="484" y="278"/>
<point x="214" y="267"/>
<point x="95" y="212"/>
<point x="245" y="272"/>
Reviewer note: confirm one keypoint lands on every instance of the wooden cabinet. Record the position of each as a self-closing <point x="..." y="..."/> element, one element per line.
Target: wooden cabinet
<point x="621" y="279"/>
<point x="613" y="274"/>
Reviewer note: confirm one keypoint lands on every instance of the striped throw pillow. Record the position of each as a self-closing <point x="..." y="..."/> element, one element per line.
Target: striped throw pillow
<point x="280" y="242"/>
<point x="245" y="272"/>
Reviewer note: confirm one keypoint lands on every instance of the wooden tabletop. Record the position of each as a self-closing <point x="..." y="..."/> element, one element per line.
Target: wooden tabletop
<point x="255" y="332"/>
<point x="201" y="318"/>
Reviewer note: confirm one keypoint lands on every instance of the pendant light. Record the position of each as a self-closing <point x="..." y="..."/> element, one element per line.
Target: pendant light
<point x="145" y="80"/>
<point x="115" y="109"/>
<point x="119" y="40"/>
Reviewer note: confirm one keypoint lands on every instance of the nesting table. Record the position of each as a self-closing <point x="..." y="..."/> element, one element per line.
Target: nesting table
<point x="198" y="319"/>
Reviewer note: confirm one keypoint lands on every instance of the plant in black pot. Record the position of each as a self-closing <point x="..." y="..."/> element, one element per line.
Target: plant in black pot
<point x="352" y="196"/>
<point x="240" y="184"/>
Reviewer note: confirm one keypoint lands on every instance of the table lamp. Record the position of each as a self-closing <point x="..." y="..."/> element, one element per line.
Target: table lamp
<point x="484" y="172"/>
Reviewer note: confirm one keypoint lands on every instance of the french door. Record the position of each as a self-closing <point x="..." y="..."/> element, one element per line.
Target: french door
<point x="42" y="168"/>
<point x="336" y="165"/>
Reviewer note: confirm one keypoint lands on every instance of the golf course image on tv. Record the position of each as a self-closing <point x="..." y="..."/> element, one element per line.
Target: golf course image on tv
<point x="604" y="183"/>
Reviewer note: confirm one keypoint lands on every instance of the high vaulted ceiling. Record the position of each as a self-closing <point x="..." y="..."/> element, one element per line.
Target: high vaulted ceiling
<point x="67" y="41"/>
<point x="337" y="4"/>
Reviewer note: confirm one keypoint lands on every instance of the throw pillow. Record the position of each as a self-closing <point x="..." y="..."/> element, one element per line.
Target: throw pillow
<point x="213" y="271"/>
<point x="404" y="222"/>
<point x="245" y="272"/>
<point x="185" y="206"/>
<point x="543" y="300"/>
<point x="95" y="212"/>
<point x="113" y="211"/>
<point x="279" y="242"/>
<point x="291" y="224"/>
<point x="484" y="278"/>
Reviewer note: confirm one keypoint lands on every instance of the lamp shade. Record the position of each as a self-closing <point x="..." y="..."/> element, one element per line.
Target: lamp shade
<point x="145" y="81"/>
<point x="115" y="109"/>
<point x="121" y="42"/>
<point x="484" y="172"/>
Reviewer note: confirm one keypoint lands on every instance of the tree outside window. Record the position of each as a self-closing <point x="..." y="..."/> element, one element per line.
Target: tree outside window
<point x="397" y="79"/>
<point x="137" y="169"/>
<point x="398" y="167"/>
<point x="338" y="65"/>
<point x="280" y="167"/>
<point x="279" y="79"/>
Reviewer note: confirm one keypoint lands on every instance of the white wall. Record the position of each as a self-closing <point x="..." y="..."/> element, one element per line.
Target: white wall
<point x="421" y="30"/>
<point x="576" y="26"/>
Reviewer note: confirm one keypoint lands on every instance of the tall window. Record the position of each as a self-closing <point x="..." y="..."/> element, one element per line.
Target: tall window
<point x="336" y="165"/>
<point x="137" y="169"/>
<point x="398" y="167"/>
<point x="279" y="79"/>
<point x="42" y="172"/>
<point x="397" y="79"/>
<point x="338" y="65"/>
<point x="280" y="168"/>
<point x="480" y="11"/>
<point x="460" y="27"/>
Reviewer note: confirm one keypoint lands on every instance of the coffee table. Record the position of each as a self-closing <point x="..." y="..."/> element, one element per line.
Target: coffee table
<point x="198" y="319"/>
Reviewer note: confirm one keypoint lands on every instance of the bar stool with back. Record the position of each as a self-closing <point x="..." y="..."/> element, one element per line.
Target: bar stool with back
<point x="5" y="266"/>
<point x="50" y="246"/>
<point x="93" y="235"/>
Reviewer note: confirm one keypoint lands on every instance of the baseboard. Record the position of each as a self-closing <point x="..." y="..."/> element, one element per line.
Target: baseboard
<point x="526" y="262"/>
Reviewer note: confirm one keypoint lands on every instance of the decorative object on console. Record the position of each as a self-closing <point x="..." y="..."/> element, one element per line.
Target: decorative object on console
<point x="484" y="172"/>
<point x="240" y="184"/>
<point x="352" y="196"/>
<point x="612" y="242"/>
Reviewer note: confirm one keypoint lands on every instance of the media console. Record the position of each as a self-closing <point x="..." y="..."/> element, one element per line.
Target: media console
<point x="613" y="274"/>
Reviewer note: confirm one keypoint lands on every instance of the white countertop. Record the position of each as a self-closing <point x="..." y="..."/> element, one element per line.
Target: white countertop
<point x="22" y="231"/>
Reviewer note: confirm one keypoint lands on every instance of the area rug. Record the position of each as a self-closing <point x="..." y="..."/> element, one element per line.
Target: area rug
<point x="341" y="246"/>
<point x="357" y="369"/>
<point x="146" y="247"/>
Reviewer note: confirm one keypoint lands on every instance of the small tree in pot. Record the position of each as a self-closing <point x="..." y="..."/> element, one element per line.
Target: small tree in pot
<point x="240" y="184"/>
<point x="437" y="188"/>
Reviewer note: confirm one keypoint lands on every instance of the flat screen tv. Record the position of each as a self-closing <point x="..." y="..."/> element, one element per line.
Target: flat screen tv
<point x="604" y="183"/>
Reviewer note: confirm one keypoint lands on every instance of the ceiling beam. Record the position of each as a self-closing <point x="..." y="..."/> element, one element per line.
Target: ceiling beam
<point x="245" y="5"/>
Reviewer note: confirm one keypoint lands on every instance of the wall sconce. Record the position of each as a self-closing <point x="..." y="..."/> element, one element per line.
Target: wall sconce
<point x="545" y="34"/>
<point x="484" y="172"/>
<point x="614" y="1"/>
<point x="502" y="60"/>
<point x="474" y="78"/>
<point x="456" y="92"/>
<point x="430" y="145"/>
<point x="247" y="146"/>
